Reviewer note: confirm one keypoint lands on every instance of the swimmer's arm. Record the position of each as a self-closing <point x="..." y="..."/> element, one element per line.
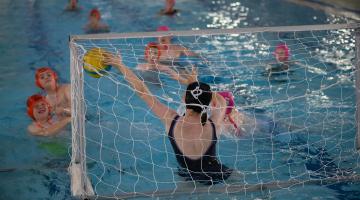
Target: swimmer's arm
<point x="68" y="94"/>
<point x="142" y="66"/>
<point x="52" y="130"/>
<point x="178" y="77"/>
<point x="186" y="78"/>
<point x="190" y="53"/>
<point x="173" y="74"/>
<point x="162" y="111"/>
<point x="218" y="110"/>
<point x="300" y="64"/>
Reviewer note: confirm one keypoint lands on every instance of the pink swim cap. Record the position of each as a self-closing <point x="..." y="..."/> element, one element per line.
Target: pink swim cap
<point x="163" y="28"/>
<point x="230" y="101"/>
<point x="285" y="48"/>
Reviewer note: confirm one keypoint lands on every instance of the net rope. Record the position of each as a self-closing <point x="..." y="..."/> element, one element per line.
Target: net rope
<point x="299" y="125"/>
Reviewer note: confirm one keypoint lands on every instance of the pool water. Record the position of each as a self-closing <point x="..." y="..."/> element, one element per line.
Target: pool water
<point x="310" y="145"/>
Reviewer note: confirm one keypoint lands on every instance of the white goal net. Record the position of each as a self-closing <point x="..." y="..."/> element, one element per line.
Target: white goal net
<point x="296" y="87"/>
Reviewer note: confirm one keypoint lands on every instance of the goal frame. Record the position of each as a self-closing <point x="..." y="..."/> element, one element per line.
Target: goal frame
<point x="81" y="187"/>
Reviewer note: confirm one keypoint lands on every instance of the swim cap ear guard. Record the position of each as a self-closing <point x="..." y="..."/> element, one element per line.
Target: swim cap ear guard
<point x="148" y="47"/>
<point x="181" y="110"/>
<point x="207" y="111"/>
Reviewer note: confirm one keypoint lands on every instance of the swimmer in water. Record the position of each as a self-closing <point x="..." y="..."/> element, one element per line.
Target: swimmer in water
<point x="95" y="25"/>
<point x="152" y="54"/>
<point x="170" y="53"/>
<point x="57" y="95"/>
<point x="194" y="135"/>
<point x="233" y="119"/>
<point x="72" y="6"/>
<point x="44" y="124"/>
<point x="169" y="8"/>
<point x="283" y="62"/>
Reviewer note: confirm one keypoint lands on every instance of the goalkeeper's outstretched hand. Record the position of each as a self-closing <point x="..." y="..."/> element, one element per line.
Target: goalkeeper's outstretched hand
<point x="112" y="59"/>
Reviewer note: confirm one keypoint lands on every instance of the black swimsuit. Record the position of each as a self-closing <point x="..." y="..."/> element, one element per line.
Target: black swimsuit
<point x="207" y="169"/>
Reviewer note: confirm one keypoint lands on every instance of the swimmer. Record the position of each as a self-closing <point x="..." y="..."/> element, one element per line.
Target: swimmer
<point x="95" y="25"/>
<point x="72" y="6"/>
<point x="169" y="8"/>
<point x="170" y="53"/>
<point x="44" y="124"/>
<point x="194" y="135"/>
<point x="283" y="62"/>
<point x="233" y="120"/>
<point x="58" y="95"/>
<point x="152" y="54"/>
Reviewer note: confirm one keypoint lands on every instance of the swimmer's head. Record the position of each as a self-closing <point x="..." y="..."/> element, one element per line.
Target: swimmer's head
<point x="164" y="39"/>
<point x="72" y="4"/>
<point x="95" y="14"/>
<point x="152" y="52"/>
<point x="163" y="28"/>
<point x="45" y="76"/>
<point x="38" y="107"/>
<point x="169" y="5"/>
<point x="282" y="53"/>
<point x="197" y="98"/>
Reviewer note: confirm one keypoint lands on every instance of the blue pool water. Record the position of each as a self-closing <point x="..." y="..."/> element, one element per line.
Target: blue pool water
<point x="35" y="33"/>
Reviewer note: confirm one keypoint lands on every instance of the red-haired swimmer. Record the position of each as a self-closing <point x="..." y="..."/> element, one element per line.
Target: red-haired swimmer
<point x="95" y="25"/>
<point x="57" y="95"/>
<point x="44" y="123"/>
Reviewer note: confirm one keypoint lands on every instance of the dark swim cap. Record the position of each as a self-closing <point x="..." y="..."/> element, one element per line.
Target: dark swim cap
<point x="198" y="96"/>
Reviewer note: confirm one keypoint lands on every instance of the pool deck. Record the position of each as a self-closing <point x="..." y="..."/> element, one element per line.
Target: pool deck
<point x="346" y="8"/>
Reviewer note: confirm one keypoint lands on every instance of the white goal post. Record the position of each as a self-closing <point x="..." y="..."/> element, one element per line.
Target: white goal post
<point x="81" y="185"/>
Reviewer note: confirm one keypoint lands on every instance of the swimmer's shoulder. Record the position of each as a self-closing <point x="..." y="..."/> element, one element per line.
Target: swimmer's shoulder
<point x="33" y="129"/>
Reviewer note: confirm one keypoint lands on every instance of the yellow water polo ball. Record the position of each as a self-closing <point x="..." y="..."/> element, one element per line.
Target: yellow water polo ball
<point x="94" y="63"/>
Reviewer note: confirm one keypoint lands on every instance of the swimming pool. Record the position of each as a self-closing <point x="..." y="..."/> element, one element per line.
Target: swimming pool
<point x="36" y="33"/>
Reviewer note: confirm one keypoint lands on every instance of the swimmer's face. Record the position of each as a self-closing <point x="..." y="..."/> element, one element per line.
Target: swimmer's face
<point x="280" y="55"/>
<point x="41" y="110"/>
<point x="165" y="40"/>
<point x="47" y="79"/>
<point x="93" y="18"/>
<point x="73" y="3"/>
<point x="153" y="54"/>
<point x="169" y="4"/>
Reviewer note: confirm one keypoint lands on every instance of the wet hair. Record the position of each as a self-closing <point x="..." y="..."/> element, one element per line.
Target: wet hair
<point x="197" y="98"/>
<point x="42" y="70"/>
<point x="32" y="100"/>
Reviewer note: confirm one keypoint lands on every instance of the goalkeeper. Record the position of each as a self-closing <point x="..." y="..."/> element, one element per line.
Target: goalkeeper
<point x="194" y="135"/>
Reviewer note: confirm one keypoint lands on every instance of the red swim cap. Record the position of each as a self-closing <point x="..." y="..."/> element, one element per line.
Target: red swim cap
<point x="96" y="13"/>
<point x="149" y="46"/>
<point x="41" y="70"/>
<point x="32" y="100"/>
<point x="163" y="28"/>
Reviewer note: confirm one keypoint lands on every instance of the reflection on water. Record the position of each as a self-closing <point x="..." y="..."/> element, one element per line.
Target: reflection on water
<point x="315" y="101"/>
